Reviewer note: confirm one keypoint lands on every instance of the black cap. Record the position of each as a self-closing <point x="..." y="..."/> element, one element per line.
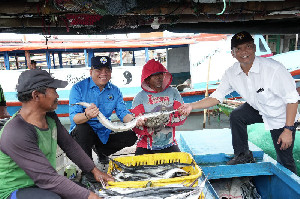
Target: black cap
<point x="101" y="61"/>
<point x="240" y="38"/>
<point x="33" y="62"/>
<point x="33" y="79"/>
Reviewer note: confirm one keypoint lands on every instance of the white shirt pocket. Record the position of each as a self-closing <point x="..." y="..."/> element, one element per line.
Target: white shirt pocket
<point x="262" y="97"/>
<point x="268" y="104"/>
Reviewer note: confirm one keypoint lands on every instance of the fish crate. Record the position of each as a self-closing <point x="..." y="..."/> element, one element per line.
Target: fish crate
<point x="157" y="159"/>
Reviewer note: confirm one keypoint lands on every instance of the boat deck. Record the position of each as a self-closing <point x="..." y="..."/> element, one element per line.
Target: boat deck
<point x="211" y="149"/>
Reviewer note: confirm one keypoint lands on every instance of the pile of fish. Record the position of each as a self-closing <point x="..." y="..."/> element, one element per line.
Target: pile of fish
<point x="120" y="127"/>
<point x="239" y="187"/>
<point x="172" y="191"/>
<point x="121" y="172"/>
<point x="149" y="173"/>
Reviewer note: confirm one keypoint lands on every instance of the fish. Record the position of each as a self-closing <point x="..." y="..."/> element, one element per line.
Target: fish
<point x="170" y="191"/>
<point x="148" y="175"/>
<point x="151" y="192"/>
<point x="176" y="172"/>
<point x="159" y="190"/>
<point x="122" y="172"/>
<point x="120" y="126"/>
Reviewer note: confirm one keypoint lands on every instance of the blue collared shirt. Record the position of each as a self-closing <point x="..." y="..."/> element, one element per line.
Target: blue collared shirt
<point x="108" y="100"/>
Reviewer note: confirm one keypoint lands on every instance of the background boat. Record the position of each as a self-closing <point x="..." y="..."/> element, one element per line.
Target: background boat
<point x="204" y="57"/>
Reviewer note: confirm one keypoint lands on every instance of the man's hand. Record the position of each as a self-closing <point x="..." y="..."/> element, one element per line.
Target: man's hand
<point x="285" y="139"/>
<point x="3" y="112"/>
<point x="93" y="196"/>
<point x="92" y="111"/>
<point x="185" y="109"/>
<point x="101" y="177"/>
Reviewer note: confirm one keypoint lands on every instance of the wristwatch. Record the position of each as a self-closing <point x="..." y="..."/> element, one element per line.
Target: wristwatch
<point x="292" y="128"/>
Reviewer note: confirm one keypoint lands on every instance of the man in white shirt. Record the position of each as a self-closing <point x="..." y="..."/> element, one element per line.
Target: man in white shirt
<point x="271" y="97"/>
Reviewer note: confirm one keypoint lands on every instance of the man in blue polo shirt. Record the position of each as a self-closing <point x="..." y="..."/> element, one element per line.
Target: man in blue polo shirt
<point x="106" y="98"/>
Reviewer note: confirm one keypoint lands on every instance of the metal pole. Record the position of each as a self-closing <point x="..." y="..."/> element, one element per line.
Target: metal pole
<point x="6" y="60"/>
<point x="90" y="55"/>
<point x="17" y="61"/>
<point x="121" y="57"/>
<point x="86" y="58"/>
<point x="60" y="59"/>
<point x="146" y="54"/>
<point x="206" y="91"/>
<point x="296" y="43"/>
<point x="133" y="58"/>
<point x="48" y="59"/>
<point x="53" y="60"/>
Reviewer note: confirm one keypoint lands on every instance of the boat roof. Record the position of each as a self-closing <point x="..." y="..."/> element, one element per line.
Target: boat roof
<point x="106" y="45"/>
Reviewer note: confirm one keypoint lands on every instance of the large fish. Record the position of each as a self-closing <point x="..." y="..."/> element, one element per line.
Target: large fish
<point x="119" y="126"/>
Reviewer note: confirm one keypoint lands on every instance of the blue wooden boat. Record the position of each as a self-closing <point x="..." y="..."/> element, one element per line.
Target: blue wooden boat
<point x="129" y="90"/>
<point x="211" y="149"/>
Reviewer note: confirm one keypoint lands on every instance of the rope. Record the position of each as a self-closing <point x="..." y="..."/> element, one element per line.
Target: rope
<point x="223" y="8"/>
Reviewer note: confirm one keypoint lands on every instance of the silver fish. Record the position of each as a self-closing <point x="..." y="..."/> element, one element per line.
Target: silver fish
<point x="148" y="172"/>
<point x="151" y="192"/>
<point x="148" y="175"/>
<point x="119" y="126"/>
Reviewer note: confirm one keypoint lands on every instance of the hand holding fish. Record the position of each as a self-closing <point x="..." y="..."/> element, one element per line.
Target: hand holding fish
<point x="185" y="109"/>
<point x="91" y="111"/>
<point x="93" y="196"/>
<point x="101" y="177"/>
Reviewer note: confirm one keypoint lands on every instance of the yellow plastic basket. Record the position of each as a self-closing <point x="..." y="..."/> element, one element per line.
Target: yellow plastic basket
<point x="156" y="159"/>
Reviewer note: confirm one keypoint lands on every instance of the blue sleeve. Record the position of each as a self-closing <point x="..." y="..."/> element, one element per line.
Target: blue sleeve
<point x="121" y="109"/>
<point x="75" y="96"/>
